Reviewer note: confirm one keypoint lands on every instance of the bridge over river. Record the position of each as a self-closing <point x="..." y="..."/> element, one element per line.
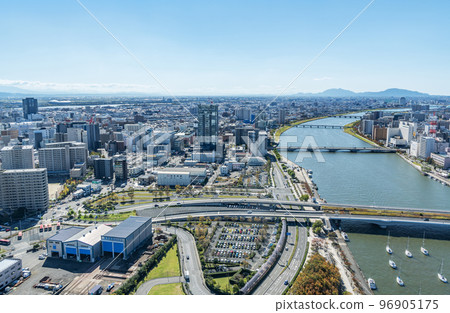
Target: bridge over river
<point x="372" y="149"/>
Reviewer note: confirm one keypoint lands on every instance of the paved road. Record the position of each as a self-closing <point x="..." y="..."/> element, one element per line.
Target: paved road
<point x="282" y="191"/>
<point x="273" y="284"/>
<point x="188" y="248"/>
<point x="145" y="288"/>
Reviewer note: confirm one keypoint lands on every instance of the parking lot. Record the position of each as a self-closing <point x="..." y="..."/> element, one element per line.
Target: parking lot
<point x="235" y="242"/>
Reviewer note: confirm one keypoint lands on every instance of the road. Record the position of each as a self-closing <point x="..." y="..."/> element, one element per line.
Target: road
<point x="282" y="191"/>
<point x="273" y="284"/>
<point x="145" y="288"/>
<point x="188" y="248"/>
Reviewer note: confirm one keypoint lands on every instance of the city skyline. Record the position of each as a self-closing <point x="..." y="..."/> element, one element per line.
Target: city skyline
<point x="200" y="48"/>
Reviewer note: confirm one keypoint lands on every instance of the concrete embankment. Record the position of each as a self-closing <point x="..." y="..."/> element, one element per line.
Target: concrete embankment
<point x="358" y="275"/>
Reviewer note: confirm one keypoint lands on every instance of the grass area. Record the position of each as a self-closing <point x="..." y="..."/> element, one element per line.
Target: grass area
<point x="112" y="217"/>
<point x="223" y="282"/>
<point x="167" y="289"/>
<point x="168" y="267"/>
<point x="348" y="129"/>
<point x="284" y="128"/>
<point x="394" y="213"/>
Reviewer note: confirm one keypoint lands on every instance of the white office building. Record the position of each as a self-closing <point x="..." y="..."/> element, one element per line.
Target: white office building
<point x="17" y="157"/>
<point x="426" y="147"/>
<point x="23" y="190"/>
<point x="60" y="158"/>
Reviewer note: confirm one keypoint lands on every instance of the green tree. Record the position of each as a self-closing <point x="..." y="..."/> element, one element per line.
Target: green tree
<point x="317" y="226"/>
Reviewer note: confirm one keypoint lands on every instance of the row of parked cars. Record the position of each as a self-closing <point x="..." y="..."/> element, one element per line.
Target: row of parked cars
<point x="237" y="238"/>
<point x="236" y="245"/>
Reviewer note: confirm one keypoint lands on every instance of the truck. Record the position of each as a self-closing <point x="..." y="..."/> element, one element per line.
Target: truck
<point x="96" y="290"/>
<point x="186" y="276"/>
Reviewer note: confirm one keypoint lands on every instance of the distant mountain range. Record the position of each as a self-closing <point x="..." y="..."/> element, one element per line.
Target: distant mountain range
<point x="388" y="93"/>
<point x="10" y="91"/>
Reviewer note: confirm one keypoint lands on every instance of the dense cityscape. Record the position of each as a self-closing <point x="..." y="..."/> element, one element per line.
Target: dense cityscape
<point x="111" y="194"/>
<point x="288" y="155"/>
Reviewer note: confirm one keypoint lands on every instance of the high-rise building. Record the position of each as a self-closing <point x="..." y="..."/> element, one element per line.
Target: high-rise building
<point x="282" y="116"/>
<point x="402" y="101"/>
<point x="59" y="158"/>
<point x="23" y="192"/>
<point x="30" y="106"/>
<point x="103" y="168"/>
<point x="38" y="139"/>
<point x="75" y="134"/>
<point x="121" y="168"/>
<point x="93" y="136"/>
<point x="243" y="114"/>
<point x="17" y="157"/>
<point x="426" y="146"/>
<point x="208" y="126"/>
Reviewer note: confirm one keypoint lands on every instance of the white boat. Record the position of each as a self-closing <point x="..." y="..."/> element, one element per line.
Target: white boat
<point x="441" y="277"/>
<point x="407" y="252"/>
<point x="372" y="284"/>
<point x="392" y="264"/>
<point x="388" y="248"/>
<point x="400" y="281"/>
<point x="345" y="236"/>
<point x="422" y="249"/>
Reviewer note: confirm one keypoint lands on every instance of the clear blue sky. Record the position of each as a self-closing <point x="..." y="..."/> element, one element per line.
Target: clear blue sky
<point x="225" y="47"/>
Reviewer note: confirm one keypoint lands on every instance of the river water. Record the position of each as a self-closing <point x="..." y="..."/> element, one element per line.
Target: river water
<point x="382" y="179"/>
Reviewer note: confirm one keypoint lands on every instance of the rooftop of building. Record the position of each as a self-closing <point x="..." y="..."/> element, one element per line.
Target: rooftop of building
<point x="16" y="147"/>
<point x="90" y="235"/>
<point x="25" y="170"/>
<point x="65" y="234"/>
<point x="127" y="227"/>
<point x="183" y="170"/>
<point x="6" y="263"/>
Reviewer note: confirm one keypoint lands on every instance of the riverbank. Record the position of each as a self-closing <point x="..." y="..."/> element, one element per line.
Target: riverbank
<point x="350" y="129"/>
<point x="284" y="128"/>
<point x="419" y="168"/>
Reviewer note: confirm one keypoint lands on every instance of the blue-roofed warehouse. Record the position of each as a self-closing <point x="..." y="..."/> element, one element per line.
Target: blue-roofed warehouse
<point x="127" y="236"/>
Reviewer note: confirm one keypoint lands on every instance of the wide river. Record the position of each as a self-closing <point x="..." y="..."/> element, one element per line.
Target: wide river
<point x="379" y="179"/>
<point x="362" y="178"/>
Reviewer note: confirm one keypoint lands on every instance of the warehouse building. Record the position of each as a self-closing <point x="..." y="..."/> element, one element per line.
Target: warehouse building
<point x="77" y="243"/>
<point x="10" y="270"/>
<point x="127" y="236"/>
<point x="180" y="176"/>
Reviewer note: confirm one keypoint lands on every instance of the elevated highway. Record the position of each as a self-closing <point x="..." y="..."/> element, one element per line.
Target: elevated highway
<point x="253" y="203"/>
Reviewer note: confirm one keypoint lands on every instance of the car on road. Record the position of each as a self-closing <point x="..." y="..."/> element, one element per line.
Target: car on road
<point x="286" y="282"/>
<point x="110" y="287"/>
<point x="187" y="257"/>
<point x="41" y="257"/>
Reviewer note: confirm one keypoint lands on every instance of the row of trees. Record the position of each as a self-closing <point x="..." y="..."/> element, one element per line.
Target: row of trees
<point x="131" y="284"/>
